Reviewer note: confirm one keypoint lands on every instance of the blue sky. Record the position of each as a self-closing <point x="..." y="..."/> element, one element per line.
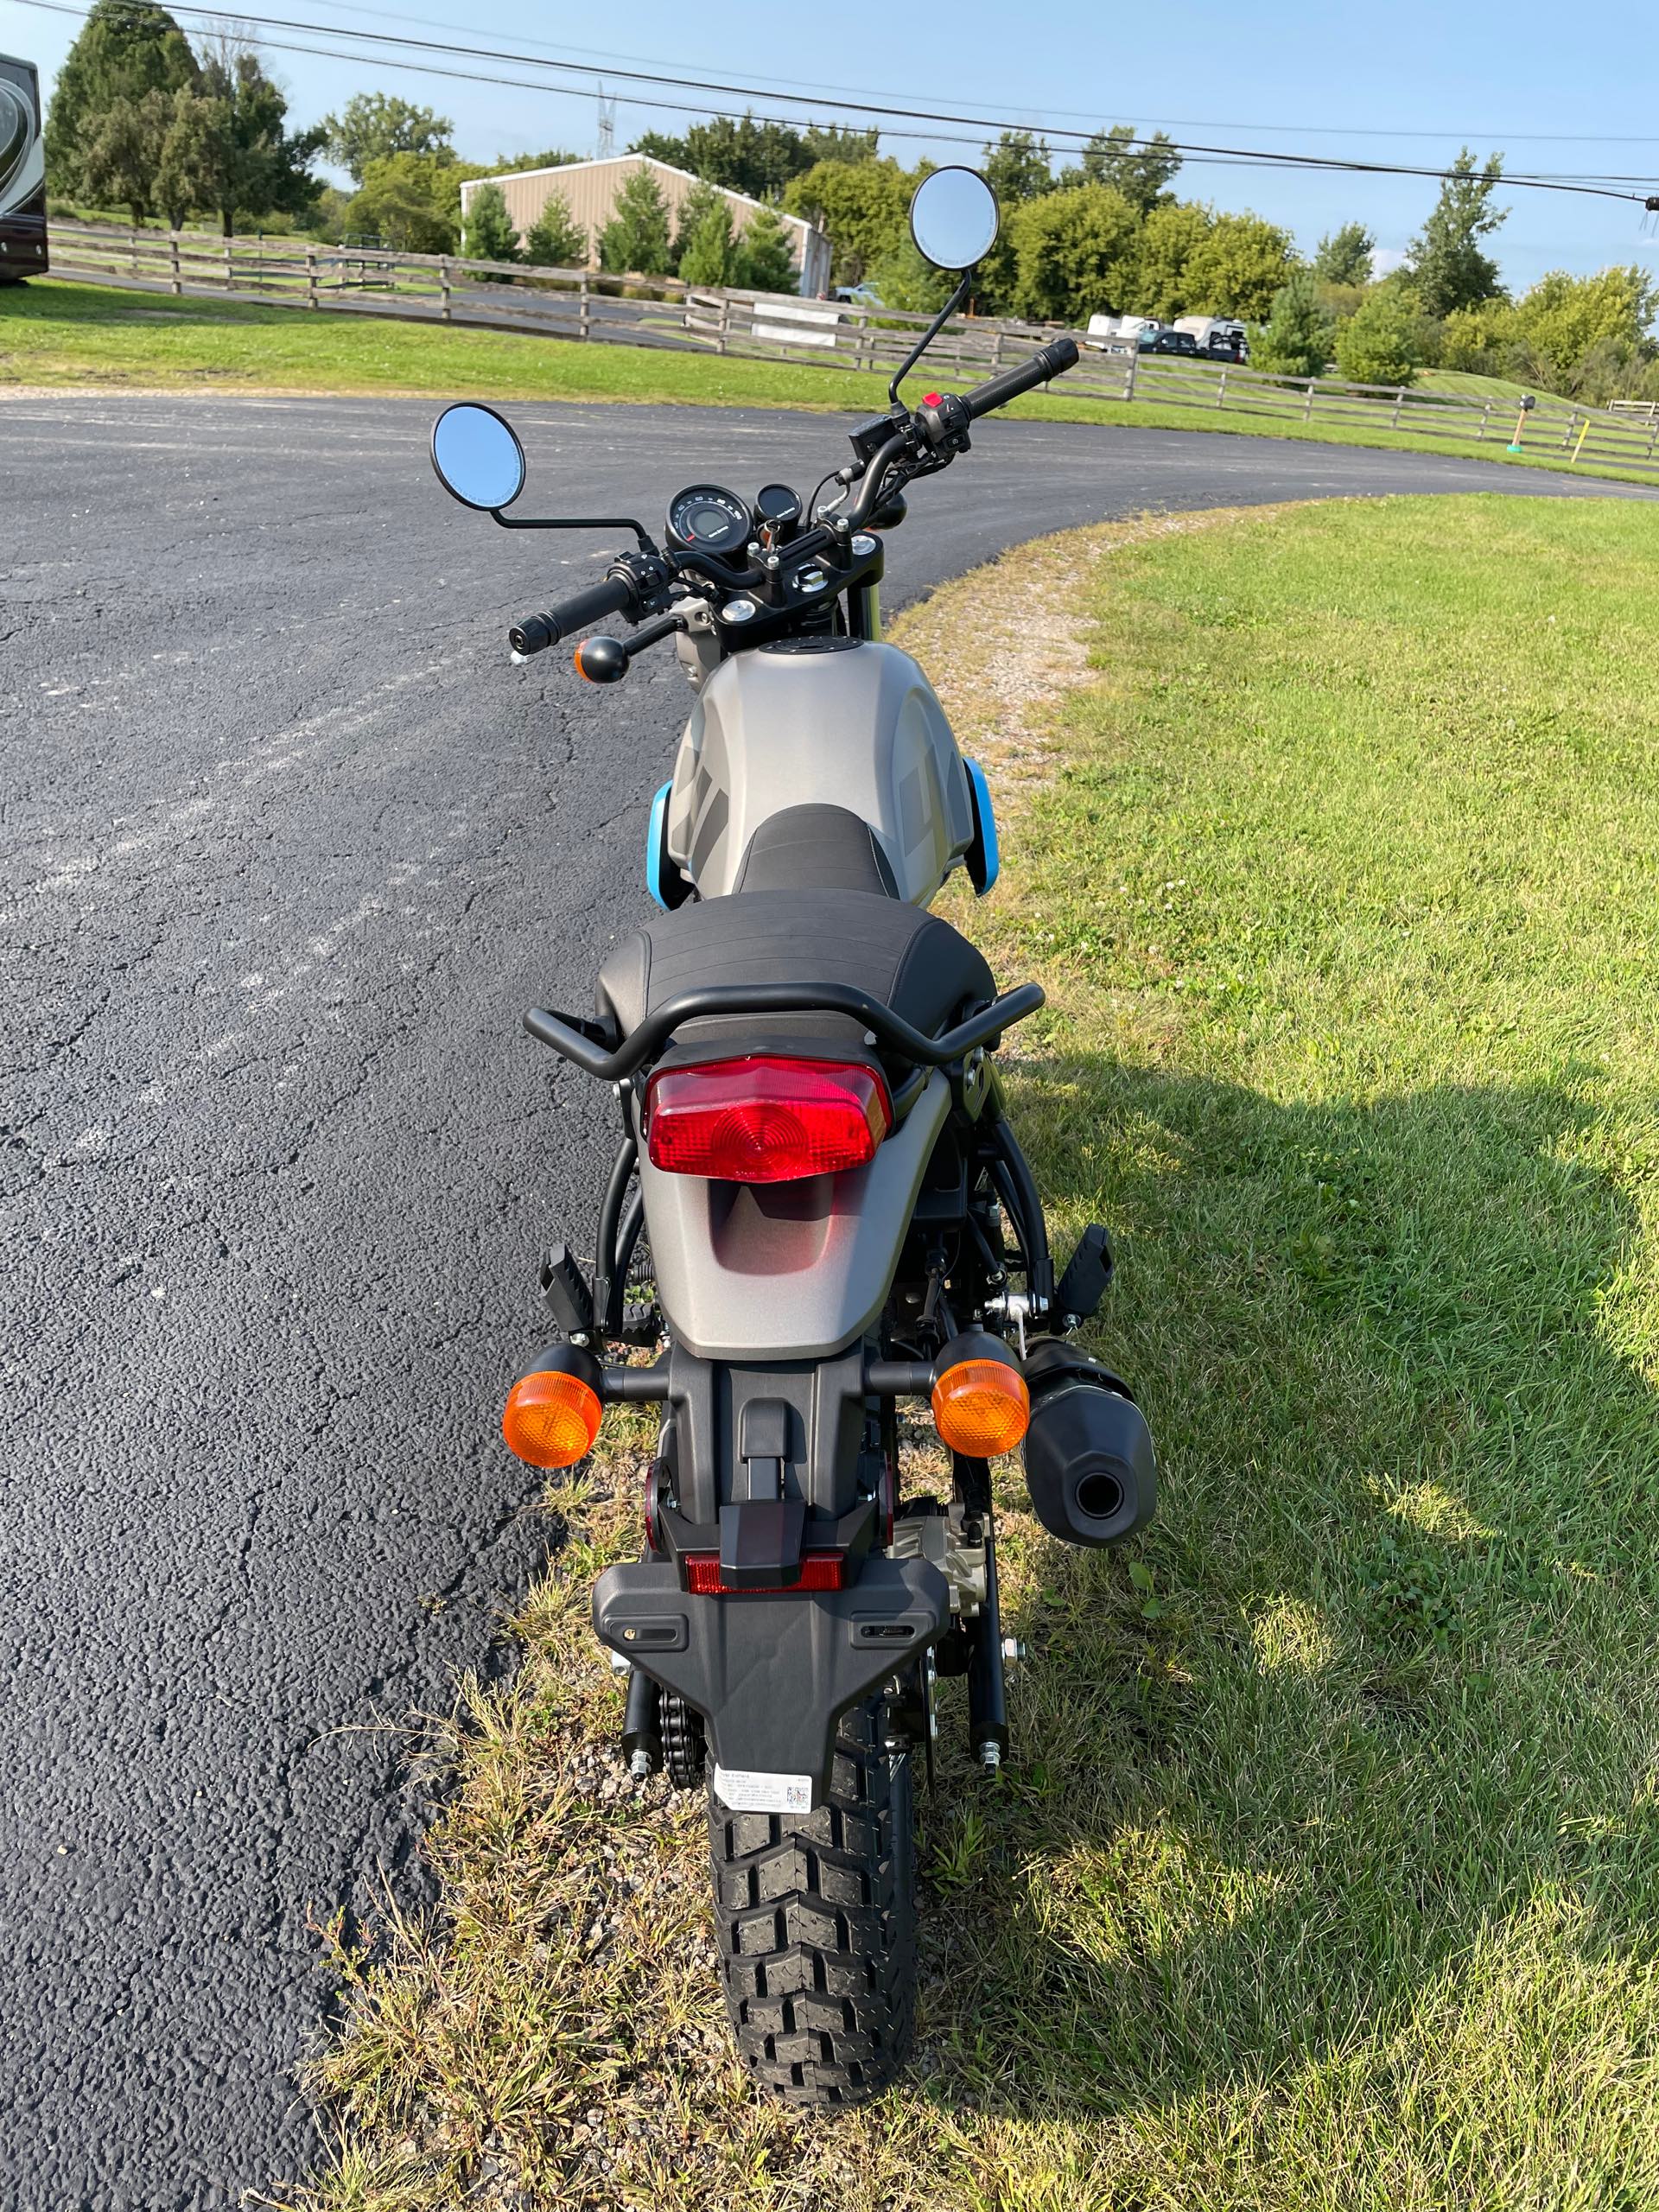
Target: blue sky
<point x="1287" y="74"/>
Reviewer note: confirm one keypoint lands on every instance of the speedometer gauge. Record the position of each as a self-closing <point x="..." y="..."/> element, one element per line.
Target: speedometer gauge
<point x="704" y="519"/>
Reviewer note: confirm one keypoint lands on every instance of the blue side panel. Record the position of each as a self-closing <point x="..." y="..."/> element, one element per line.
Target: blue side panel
<point x="984" y="860"/>
<point x="657" y="845"/>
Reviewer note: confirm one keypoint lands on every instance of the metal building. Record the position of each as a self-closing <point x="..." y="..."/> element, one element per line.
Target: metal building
<point x="589" y="189"/>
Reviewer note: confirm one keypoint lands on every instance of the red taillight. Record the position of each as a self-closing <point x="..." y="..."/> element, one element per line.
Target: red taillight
<point x="766" y="1120"/>
<point x="819" y="1571"/>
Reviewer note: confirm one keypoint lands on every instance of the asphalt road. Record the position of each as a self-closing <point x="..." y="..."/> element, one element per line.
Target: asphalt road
<point x="289" y="846"/>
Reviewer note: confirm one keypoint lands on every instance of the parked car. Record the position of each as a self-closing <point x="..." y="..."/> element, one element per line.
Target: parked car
<point x="1167" y="341"/>
<point x="1223" y="346"/>
<point x="857" y="296"/>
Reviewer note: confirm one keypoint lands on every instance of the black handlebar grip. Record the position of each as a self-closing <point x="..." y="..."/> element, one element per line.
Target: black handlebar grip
<point x="537" y="631"/>
<point x="1046" y="363"/>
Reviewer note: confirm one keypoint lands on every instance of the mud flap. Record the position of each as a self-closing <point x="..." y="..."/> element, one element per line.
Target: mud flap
<point x="771" y="1674"/>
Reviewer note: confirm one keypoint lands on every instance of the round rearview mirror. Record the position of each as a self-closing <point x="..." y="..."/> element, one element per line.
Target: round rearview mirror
<point x="478" y="457"/>
<point x="953" y="217"/>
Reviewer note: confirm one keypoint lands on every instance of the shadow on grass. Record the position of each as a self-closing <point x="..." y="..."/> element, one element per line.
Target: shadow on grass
<point x="1367" y="1726"/>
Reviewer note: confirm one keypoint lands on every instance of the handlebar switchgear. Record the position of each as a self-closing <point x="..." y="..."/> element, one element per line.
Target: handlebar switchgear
<point x="943" y="420"/>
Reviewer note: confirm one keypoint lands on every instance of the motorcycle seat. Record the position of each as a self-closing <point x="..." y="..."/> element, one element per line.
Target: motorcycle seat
<point x="914" y="961"/>
<point x="815" y="847"/>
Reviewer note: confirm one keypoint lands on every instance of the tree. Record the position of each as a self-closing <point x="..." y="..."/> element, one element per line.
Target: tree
<point x="756" y="158"/>
<point x="704" y="252"/>
<point x="1381" y="342"/>
<point x="903" y="279"/>
<point x="1074" y="253"/>
<point x="1238" y="266"/>
<point x="555" y="239"/>
<point x="1296" y="339"/>
<point x="861" y="205"/>
<point x="1564" y="319"/>
<point x="635" y="240"/>
<point x="1140" y="170"/>
<point x="126" y="51"/>
<point x="765" y="262"/>
<point x="491" y="233"/>
<point x="698" y="204"/>
<point x="184" y="170"/>
<point x="834" y="141"/>
<point x="1484" y="340"/>
<point x="1019" y="167"/>
<point x="554" y="158"/>
<point x="372" y="125"/>
<point x="1171" y="238"/>
<point x="1586" y="337"/>
<point x="1340" y="302"/>
<point x="121" y="154"/>
<point x="662" y="146"/>
<point x="411" y="200"/>
<point x="1444" y="261"/>
<point x="329" y="215"/>
<point x="1344" y="256"/>
<point x="252" y="165"/>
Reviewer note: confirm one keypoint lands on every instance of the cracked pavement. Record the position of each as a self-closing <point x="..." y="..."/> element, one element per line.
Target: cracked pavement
<point x="289" y="846"/>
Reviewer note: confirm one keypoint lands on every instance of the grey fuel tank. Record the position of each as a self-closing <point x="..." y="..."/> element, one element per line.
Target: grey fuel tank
<point x="835" y="722"/>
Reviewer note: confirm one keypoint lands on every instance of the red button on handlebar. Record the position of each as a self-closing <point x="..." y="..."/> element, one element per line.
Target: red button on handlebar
<point x="930" y="399"/>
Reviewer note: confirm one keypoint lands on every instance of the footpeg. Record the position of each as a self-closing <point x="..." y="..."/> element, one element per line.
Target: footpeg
<point x="1087" y="1279"/>
<point x="566" y="1294"/>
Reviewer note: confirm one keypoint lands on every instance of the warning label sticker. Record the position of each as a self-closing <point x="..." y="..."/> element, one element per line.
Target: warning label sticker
<point x="742" y="1792"/>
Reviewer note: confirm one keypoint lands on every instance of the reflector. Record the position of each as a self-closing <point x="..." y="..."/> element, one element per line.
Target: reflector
<point x="762" y="1120"/>
<point x="550" y="1419"/>
<point x="819" y="1571"/>
<point x="981" y="1407"/>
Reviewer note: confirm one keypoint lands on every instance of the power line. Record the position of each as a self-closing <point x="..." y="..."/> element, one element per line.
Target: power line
<point x="786" y="85"/>
<point x="1205" y="156"/>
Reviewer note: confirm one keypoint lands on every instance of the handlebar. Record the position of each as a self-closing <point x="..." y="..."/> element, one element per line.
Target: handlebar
<point x="1045" y="363"/>
<point x="926" y="439"/>
<point x="943" y="422"/>
<point x="616" y="596"/>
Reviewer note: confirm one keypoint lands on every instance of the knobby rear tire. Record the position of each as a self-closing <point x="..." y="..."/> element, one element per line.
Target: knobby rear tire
<point x="815" y="1914"/>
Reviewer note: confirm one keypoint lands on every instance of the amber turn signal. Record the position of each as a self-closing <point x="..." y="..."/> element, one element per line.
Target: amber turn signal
<point x="551" y="1418"/>
<point x="602" y="660"/>
<point x="981" y="1407"/>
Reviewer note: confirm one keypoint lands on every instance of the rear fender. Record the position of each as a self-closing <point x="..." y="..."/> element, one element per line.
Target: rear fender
<point x="773" y="1675"/>
<point x="787" y="1270"/>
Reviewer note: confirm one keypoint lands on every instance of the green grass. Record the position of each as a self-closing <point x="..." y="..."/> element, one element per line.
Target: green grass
<point x="55" y="333"/>
<point x="1470" y="383"/>
<point x="1325" y="1877"/>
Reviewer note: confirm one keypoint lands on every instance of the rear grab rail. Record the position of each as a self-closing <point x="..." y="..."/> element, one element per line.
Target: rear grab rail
<point x="723" y="1002"/>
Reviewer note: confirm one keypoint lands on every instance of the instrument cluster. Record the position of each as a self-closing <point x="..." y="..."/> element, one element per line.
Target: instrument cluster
<point x="708" y="518"/>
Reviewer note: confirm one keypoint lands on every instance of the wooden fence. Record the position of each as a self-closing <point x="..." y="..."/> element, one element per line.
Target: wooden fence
<point x="366" y="280"/>
<point x="576" y="304"/>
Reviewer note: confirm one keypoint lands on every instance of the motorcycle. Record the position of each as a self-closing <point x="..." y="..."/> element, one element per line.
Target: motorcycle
<point x="815" y="1151"/>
